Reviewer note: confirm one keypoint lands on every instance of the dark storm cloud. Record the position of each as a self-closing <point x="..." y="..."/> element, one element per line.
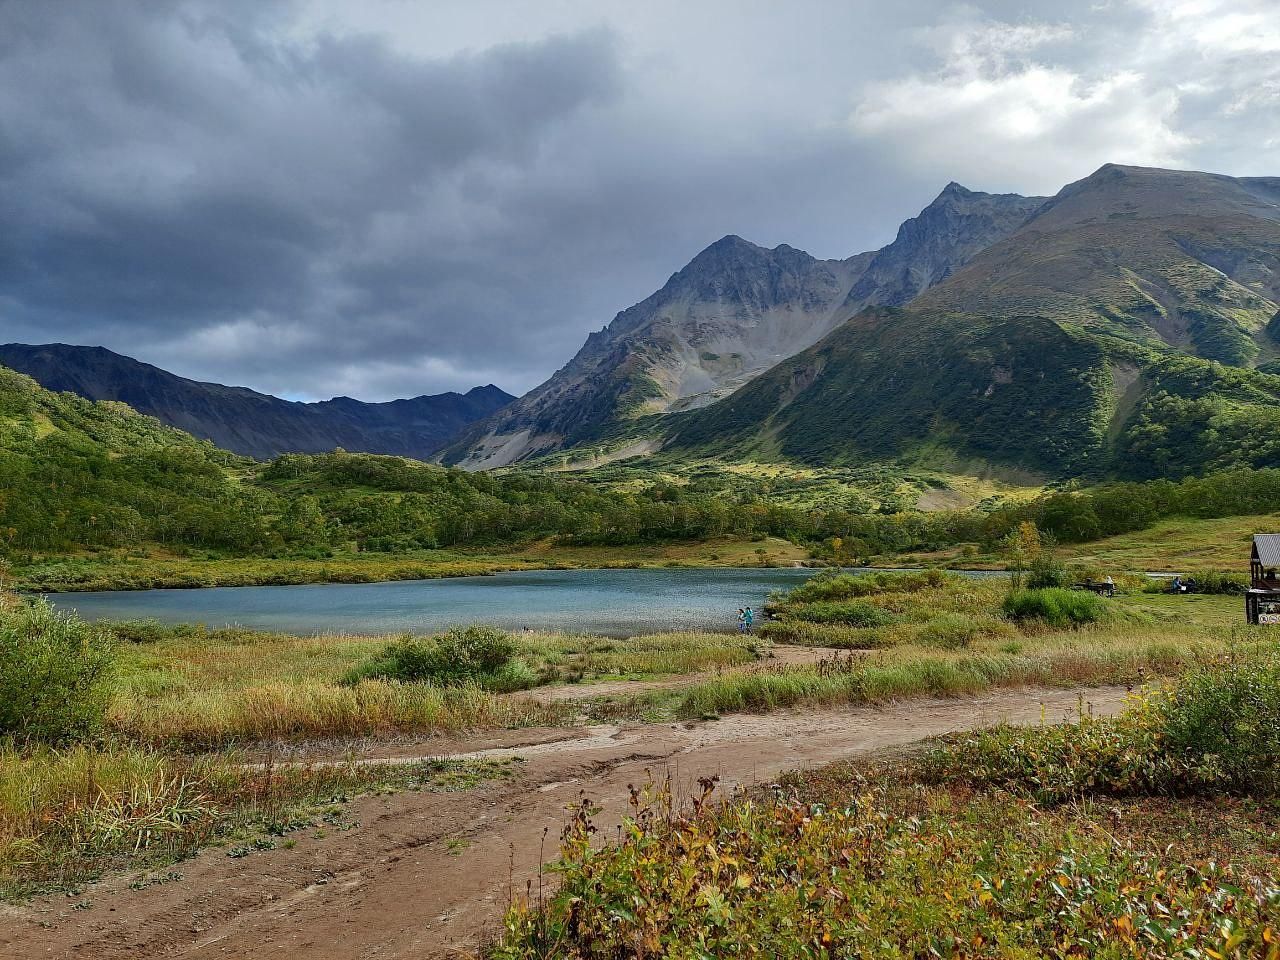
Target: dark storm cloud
<point x="389" y="198"/>
<point x="170" y="173"/>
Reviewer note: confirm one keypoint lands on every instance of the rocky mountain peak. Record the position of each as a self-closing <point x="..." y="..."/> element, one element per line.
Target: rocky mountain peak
<point x="952" y="191"/>
<point x="956" y="226"/>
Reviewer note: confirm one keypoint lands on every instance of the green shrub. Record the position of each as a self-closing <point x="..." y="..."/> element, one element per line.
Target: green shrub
<point x="833" y="635"/>
<point x="1213" y="581"/>
<point x="1046" y="570"/>
<point x="1223" y="723"/>
<point x="950" y="631"/>
<point x="1055" y="606"/>
<point x="1217" y="731"/>
<point x="55" y="674"/>
<point x="513" y="675"/>
<point x="477" y="654"/>
<point x="851" y="613"/>
<point x="829" y="586"/>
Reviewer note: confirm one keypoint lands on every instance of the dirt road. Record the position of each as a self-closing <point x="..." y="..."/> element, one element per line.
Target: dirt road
<point x="427" y="874"/>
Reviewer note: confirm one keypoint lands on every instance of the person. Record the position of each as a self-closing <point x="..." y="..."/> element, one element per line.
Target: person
<point x="742" y="620"/>
<point x="1177" y="584"/>
<point x="750" y="617"/>
<point x="1111" y="585"/>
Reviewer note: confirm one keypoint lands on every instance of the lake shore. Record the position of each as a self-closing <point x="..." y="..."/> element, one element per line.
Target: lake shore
<point x="158" y="570"/>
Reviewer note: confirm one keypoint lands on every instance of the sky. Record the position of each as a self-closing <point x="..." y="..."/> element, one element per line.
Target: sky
<point x="390" y="198"/>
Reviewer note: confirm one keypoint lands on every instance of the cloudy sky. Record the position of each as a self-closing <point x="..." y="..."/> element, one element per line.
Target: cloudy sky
<point x="395" y="197"/>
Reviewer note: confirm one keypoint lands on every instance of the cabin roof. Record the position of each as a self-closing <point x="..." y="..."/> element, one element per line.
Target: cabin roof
<point x="1267" y="548"/>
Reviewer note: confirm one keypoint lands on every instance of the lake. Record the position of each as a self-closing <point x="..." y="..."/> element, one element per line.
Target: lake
<point x="610" y="602"/>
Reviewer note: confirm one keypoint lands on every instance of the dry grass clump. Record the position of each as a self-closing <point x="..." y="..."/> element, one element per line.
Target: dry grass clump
<point x="70" y="814"/>
<point x="315" y="710"/>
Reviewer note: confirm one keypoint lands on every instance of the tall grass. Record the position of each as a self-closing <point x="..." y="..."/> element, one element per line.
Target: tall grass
<point x="1088" y="657"/>
<point x="70" y="814"/>
<point x="1055" y="606"/>
<point x="316" y="710"/>
<point x="197" y="688"/>
<point x="833" y="635"/>
<point x="829" y="587"/>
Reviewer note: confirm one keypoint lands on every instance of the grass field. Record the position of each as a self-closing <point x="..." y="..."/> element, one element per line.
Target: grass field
<point x="1181" y="545"/>
<point x="199" y="689"/>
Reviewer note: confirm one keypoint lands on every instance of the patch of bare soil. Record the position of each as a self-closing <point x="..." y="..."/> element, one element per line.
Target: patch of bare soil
<point x="429" y="874"/>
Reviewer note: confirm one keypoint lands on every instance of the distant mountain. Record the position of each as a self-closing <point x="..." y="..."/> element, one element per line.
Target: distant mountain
<point x="1113" y="333"/>
<point x="733" y="312"/>
<point x="251" y="423"/>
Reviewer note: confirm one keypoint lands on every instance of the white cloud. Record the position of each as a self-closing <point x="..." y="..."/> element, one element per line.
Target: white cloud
<point x="1002" y="115"/>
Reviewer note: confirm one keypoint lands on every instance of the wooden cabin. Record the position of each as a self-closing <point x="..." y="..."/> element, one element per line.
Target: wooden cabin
<point x="1262" y="599"/>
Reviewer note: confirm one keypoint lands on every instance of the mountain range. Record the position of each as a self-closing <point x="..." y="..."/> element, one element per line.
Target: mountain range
<point x="1129" y="325"/>
<point x="733" y="312"/>
<point x="250" y="423"/>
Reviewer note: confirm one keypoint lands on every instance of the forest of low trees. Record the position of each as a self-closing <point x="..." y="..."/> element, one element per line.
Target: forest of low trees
<point x="77" y="475"/>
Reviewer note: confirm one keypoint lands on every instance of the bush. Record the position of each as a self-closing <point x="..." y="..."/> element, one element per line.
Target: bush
<point x="55" y="674"/>
<point x="1212" y="581"/>
<point x="851" y="613"/>
<point x="828" y="586"/>
<point x="1055" y="606"/>
<point x="1223" y="723"/>
<point x="477" y="654"/>
<point x="1202" y="581"/>
<point x="1217" y="731"/>
<point x="1046" y="570"/>
<point x="950" y="631"/>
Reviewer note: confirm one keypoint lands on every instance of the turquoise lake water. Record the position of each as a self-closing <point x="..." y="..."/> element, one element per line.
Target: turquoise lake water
<point x="610" y="602"/>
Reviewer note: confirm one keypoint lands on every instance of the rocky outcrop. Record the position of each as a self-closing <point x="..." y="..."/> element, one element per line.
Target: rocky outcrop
<point x="930" y="247"/>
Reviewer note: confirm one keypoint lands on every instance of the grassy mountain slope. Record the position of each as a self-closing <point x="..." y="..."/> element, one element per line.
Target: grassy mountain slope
<point x="1112" y="333"/>
<point x="1175" y="260"/>
<point x="74" y="472"/>
<point x="892" y="382"/>
<point x="251" y="423"/>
